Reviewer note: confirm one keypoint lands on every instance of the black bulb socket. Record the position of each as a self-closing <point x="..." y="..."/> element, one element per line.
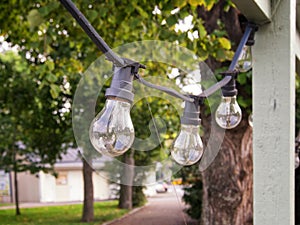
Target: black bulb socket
<point x="191" y="113"/>
<point x="229" y="90"/>
<point x="121" y="84"/>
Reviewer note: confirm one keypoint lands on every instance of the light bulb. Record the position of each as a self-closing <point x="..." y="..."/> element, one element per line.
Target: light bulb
<point x="112" y="132"/>
<point x="250" y="120"/>
<point x="187" y="148"/>
<point x="229" y="113"/>
<point x="245" y="60"/>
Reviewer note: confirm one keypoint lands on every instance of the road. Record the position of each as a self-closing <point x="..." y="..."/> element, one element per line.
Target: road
<point x="162" y="209"/>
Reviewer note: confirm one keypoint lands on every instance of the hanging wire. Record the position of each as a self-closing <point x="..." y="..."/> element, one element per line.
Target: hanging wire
<point x="169" y="91"/>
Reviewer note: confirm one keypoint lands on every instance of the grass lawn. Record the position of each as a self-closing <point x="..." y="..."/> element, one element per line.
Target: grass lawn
<point x="61" y="215"/>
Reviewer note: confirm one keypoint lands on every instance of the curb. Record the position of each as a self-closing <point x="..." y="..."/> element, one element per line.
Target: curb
<point x="126" y="215"/>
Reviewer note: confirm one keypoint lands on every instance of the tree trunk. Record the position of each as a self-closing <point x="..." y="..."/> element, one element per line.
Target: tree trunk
<point x="227" y="182"/>
<point x="88" y="203"/>
<point x="125" y="199"/>
<point x="18" y="212"/>
<point x="15" y="168"/>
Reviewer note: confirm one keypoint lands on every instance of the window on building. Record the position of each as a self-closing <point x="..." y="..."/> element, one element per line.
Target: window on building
<point x="62" y="178"/>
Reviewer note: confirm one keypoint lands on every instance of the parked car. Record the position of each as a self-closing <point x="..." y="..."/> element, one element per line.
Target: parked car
<point x="161" y="187"/>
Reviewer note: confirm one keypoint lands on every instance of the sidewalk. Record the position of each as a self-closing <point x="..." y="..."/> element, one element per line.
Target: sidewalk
<point x="162" y="209"/>
<point x="39" y="204"/>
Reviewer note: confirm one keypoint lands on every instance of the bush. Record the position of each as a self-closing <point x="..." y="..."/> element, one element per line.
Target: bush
<point x="138" y="196"/>
<point x="193" y="197"/>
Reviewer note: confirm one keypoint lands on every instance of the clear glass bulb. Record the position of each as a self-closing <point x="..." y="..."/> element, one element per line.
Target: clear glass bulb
<point x="250" y="120"/>
<point x="229" y="113"/>
<point x="245" y="60"/>
<point x="187" y="148"/>
<point x="112" y="132"/>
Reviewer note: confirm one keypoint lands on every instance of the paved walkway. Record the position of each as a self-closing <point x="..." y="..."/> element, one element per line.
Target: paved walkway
<point x="162" y="209"/>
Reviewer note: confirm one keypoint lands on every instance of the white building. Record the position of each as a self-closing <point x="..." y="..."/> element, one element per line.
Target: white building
<point x="67" y="186"/>
<point x="5" y="190"/>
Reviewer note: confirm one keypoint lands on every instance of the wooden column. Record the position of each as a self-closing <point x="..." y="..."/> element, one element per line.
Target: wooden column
<point x="274" y="117"/>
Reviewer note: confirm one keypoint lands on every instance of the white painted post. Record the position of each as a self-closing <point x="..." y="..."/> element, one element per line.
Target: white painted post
<point x="274" y="118"/>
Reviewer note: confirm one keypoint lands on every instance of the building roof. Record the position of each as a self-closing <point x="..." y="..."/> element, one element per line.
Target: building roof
<point x="73" y="159"/>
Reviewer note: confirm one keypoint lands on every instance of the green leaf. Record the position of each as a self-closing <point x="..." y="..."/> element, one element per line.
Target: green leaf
<point x="34" y="19"/>
<point x="202" y="31"/>
<point x="209" y="4"/>
<point x="140" y="10"/>
<point x="45" y="10"/>
<point x="244" y="102"/>
<point x="133" y="22"/>
<point x="20" y="66"/>
<point x="220" y="55"/>
<point x="167" y="8"/>
<point x="225" y="43"/>
<point x="50" y="65"/>
<point x="196" y="2"/>
<point x="180" y="3"/>
<point x="172" y="20"/>
<point x="9" y="57"/>
<point x="102" y="12"/>
<point x="54" y="90"/>
<point x="93" y="14"/>
<point x="51" y="78"/>
<point x="242" y="78"/>
<point x="219" y="33"/>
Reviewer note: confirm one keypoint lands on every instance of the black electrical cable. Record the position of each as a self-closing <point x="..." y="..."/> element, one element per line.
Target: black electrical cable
<point x="92" y="33"/>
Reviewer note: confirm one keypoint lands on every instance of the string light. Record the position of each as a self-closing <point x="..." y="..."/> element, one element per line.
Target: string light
<point x="112" y="133"/>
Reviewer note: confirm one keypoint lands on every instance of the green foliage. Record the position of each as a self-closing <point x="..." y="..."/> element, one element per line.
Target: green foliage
<point x="148" y="123"/>
<point x="37" y="87"/>
<point x="244" y="84"/>
<point x="25" y="122"/>
<point x="193" y="191"/>
<point x="193" y="197"/>
<point x="138" y="197"/>
<point x="62" y="215"/>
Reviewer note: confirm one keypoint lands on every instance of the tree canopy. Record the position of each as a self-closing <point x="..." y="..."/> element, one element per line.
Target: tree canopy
<point x="53" y="52"/>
